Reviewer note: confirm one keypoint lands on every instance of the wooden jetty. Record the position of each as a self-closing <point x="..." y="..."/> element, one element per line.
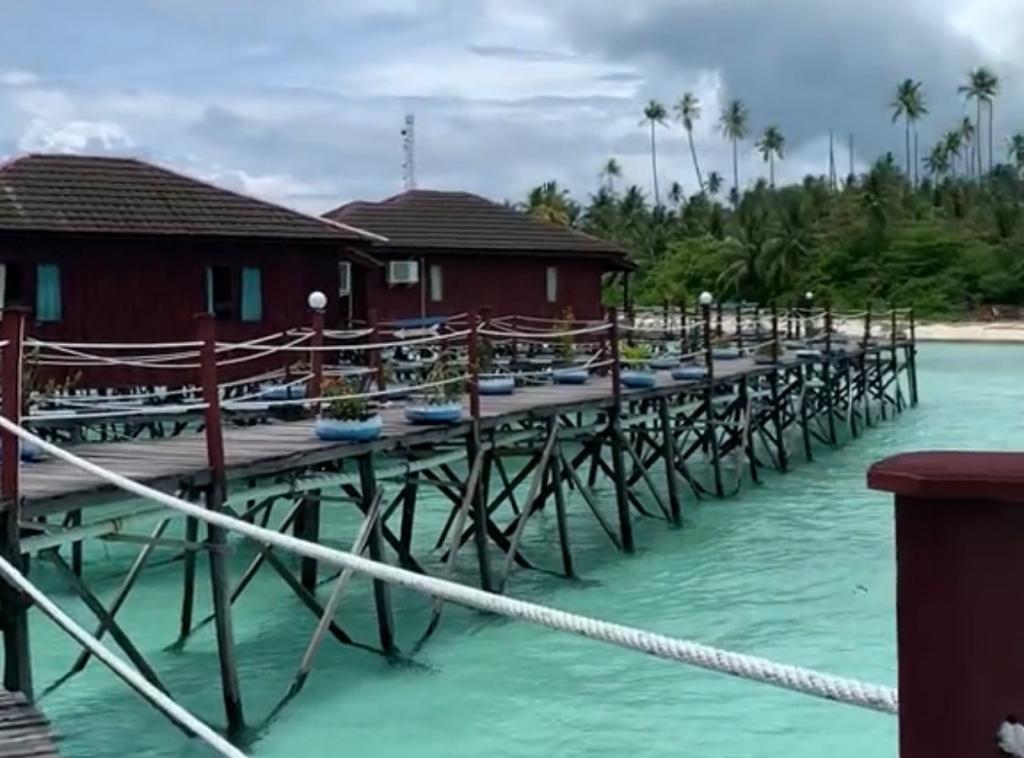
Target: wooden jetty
<point x="546" y="446"/>
<point x="24" y="731"/>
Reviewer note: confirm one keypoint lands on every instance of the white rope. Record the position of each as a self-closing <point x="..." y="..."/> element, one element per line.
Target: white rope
<point x="130" y="676"/>
<point x="849" y="691"/>
<point x="115" y="345"/>
<point x="546" y="335"/>
<point x="243" y="405"/>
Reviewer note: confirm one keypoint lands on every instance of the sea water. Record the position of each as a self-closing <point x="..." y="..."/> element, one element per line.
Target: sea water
<point x="798" y="569"/>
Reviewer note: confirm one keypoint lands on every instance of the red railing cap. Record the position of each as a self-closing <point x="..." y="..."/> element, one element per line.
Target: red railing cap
<point x="951" y="475"/>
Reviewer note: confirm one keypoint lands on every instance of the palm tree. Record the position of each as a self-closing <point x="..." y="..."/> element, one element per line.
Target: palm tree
<point x="610" y="171"/>
<point x="982" y="86"/>
<point x="733" y="124"/>
<point x="908" y="104"/>
<point x="714" y="183"/>
<point x="953" y="141"/>
<point x="790" y="243"/>
<point x="551" y="203"/>
<point x="675" y="193"/>
<point x="771" y="146"/>
<point x="654" y="114"/>
<point x="937" y="162"/>
<point x="687" y="111"/>
<point x="1016" y="150"/>
<point x="967" y="133"/>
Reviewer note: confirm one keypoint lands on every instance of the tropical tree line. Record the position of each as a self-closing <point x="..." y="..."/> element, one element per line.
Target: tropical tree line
<point x="943" y="233"/>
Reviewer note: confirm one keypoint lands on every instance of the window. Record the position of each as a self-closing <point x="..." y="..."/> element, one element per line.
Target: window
<point x="436" y="285"/>
<point x="48" y="292"/>
<point x="12" y="284"/>
<point x="252" y="294"/>
<point x="552" y="284"/>
<point x="344" y="278"/>
<point x="219" y="292"/>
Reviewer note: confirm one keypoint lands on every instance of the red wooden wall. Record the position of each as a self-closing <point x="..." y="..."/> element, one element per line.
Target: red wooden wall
<point x="148" y="289"/>
<point x="507" y="285"/>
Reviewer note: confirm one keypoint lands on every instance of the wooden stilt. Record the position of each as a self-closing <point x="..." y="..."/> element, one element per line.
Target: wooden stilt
<point x="827" y="378"/>
<point x="77" y="548"/>
<point x="805" y="428"/>
<point x="560" y="514"/>
<point x="188" y="592"/>
<point x="615" y="440"/>
<point x="307" y="527"/>
<point x="912" y="359"/>
<point x="669" y="455"/>
<point x="409" y="492"/>
<point x="381" y="591"/>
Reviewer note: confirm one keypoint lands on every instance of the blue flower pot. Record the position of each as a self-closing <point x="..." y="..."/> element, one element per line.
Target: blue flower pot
<point x="570" y="376"/>
<point x="725" y="353"/>
<point x="30" y="451"/>
<point x="349" y="430"/>
<point x="689" y="373"/>
<point x="637" y="380"/>
<point x="664" y="363"/>
<point x="448" y="413"/>
<point x="275" y="392"/>
<point x="497" y="385"/>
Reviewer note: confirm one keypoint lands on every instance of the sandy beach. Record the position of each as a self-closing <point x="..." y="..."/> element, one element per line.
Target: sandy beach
<point x="972" y="331"/>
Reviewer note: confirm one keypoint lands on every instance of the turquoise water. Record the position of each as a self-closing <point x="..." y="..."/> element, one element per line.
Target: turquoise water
<point x="799" y="570"/>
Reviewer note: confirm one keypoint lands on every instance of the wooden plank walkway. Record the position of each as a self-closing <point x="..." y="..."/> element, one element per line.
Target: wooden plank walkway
<point x="24" y="731"/>
<point x="277" y="446"/>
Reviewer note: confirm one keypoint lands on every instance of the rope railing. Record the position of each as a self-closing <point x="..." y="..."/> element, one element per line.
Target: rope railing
<point x="753" y="668"/>
<point x="596" y="329"/>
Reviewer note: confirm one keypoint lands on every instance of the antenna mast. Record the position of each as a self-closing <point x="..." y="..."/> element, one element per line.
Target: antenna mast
<point x="409" y="149"/>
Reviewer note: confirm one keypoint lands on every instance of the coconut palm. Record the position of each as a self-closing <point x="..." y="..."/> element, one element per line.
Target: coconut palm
<point x="937" y="162"/>
<point x="982" y="86"/>
<point x="675" y="193"/>
<point x="687" y="112"/>
<point x="1016" y="151"/>
<point x="733" y="124"/>
<point x="610" y="171"/>
<point x="772" y="145"/>
<point x="714" y="183"/>
<point x="654" y="115"/>
<point x="551" y="203"/>
<point x="953" y="142"/>
<point x="908" y="104"/>
<point x="967" y="134"/>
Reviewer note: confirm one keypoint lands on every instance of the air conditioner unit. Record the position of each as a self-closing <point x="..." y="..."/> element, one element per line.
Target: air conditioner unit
<point x="344" y="279"/>
<point x="403" y="272"/>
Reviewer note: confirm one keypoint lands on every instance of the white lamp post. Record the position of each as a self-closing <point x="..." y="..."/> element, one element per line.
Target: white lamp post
<point x="317" y="300"/>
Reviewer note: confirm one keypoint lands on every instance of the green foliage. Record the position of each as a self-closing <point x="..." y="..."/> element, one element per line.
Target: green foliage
<point x="444" y="373"/>
<point x="635" y="354"/>
<point x="565" y="348"/>
<point x="341" y="401"/>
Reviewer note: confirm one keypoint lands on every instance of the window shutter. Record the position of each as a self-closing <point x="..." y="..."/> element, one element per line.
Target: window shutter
<point x="436" y="284"/>
<point x="552" y="284"/>
<point x="252" y="294"/>
<point x="48" y="301"/>
<point x="344" y="278"/>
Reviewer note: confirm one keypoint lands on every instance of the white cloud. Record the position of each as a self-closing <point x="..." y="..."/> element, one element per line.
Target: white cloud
<point x="16" y="77"/>
<point x="75" y="136"/>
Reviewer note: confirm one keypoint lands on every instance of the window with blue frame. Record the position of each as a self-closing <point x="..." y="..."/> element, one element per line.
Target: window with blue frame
<point x="252" y="294"/>
<point x="48" y="298"/>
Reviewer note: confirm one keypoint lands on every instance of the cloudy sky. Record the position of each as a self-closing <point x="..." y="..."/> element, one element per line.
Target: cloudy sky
<point x="302" y="101"/>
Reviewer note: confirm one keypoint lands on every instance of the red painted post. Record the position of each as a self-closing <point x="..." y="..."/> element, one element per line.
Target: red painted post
<point x="375" y="362"/>
<point x="316" y="359"/>
<point x="13" y="608"/>
<point x="515" y="342"/>
<point x="211" y="397"/>
<point x="473" y="356"/>
<point x="959" y="560"/>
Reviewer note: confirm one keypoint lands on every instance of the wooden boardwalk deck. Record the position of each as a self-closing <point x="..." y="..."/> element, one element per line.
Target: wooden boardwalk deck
<point x="24" y="731"/>
<point x="274" y="446"/>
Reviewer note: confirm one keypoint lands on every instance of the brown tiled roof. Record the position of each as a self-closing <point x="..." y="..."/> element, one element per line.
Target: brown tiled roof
<point x="77" y="193"/>
<point x="460" y="221"/>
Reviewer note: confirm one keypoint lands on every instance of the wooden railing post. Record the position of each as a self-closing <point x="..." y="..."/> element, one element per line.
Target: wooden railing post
<point x="216" y="492"/>
<point x="718" y="319"/>
<point x="708" y="359"/>
<point x="739" y="325"/>
<point x="912" y="358"/>
<point x="376" y="366"/>
<point x="684" y="332"/>
<point x="827" y="376"/>
<point x="775" y="333"/>
<point x="316" y="359"/>
<point x="473" y="356"/>
<point x="13" y="606"/>
<point x="959" y="531"/>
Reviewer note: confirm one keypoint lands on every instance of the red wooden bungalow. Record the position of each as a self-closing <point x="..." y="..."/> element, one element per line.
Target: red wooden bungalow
<point x="450" y="252"/>
<point x="117" y="250"/>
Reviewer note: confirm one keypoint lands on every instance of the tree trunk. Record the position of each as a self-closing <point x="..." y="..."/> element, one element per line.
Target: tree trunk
<point x="977" y="133"/>
<point x="735" y="169"/>
<point x="771" y="169"/>
<point x="696" y="165"/>
<point x="917" y="160"/>
<point x="991" y="105"/>
<point x="906" y="122"/>
<point x="654" y="168"/>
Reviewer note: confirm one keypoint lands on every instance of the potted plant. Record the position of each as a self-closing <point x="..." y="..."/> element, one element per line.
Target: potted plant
<point x="565" y="371"/>
<point x="489" y="382"/>
<point x="288" y="388"/>
<point x="345" y="416"/>
<point x="39" y="395"/>
<point x="636" y="374"/>
<point x="442" y="402"/>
